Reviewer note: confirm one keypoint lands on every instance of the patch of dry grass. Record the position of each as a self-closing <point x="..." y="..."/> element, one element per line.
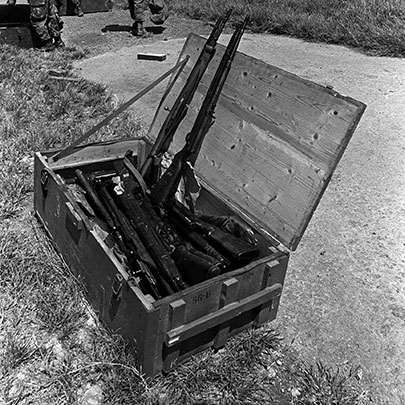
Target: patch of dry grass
<point x="52" y="351"/>
<point x="376" y="26"/>
<point x="38" y="113"/>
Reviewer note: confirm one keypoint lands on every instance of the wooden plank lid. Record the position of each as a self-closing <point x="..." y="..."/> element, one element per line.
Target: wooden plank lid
<point x="275" y="143"/>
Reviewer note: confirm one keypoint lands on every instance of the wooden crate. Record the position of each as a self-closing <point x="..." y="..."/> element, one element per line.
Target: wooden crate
<point x="174" y="327"/>
<point x="268" y="159"/>
<point x="66" y="7"/>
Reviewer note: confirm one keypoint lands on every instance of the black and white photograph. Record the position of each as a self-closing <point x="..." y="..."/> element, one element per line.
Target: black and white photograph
<point x="202" y="202"/>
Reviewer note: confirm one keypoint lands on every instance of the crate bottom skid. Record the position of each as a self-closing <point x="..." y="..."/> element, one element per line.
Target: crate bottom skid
<point x="267" y="159"/>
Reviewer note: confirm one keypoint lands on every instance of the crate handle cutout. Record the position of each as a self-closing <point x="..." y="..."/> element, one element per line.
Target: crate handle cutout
<point x="116" y="294"/>
<point x="73" y="216"/>
<point x="74" y="223"/>
<point x="224" y="314"/>
<point x="44" y="181"/>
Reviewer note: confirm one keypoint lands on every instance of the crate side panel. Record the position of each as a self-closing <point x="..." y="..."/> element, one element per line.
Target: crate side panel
<point x="238" y="288"/>
<point x="79" y="249"/>
<point x="138" y="326"/>
<point x="123" y="313"/>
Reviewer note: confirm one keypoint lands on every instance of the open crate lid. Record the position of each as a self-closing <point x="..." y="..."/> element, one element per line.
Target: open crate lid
<point x="275" y="143"/>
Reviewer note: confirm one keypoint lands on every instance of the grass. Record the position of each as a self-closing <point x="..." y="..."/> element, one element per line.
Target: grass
<point x="375" y="26"/>
<point x="52" y="351"/>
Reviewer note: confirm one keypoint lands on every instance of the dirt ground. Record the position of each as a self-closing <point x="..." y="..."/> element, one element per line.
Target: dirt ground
<point x="344" y="300"/>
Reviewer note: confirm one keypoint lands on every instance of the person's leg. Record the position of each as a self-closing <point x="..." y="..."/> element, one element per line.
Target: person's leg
<point x="38" y="19"/>
<point x="159" y="11"/>
<point x="78" y="8"/>
<point x="137" y="10"/>
<point x="55" y="24"/>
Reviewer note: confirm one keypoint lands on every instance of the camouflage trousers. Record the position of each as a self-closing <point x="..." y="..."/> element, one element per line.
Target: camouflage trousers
<point x="157" y="8"/>
<point x="45" y="20"/>
<point x="76" y="3"/>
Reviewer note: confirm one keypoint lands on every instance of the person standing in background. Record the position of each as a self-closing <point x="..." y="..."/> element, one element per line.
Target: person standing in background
<point x="77" y="6"/>
<point x="45" y="22"/>
<point x="137" y="9"/>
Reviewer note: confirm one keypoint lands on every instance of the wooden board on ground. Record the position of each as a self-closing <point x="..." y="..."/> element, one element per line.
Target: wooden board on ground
<point x="152" y="56"/>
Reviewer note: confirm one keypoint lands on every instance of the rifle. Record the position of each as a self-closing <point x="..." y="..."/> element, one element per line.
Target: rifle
<point x="99" y="206"/>
<point x="113" y="221"/>
<point x="163" y="191"/>
<point x="195" y="265"/>
<point x="134" y="206"/>
<point x="184" y="226"/>
<point x="237" y="250"/>
<point x="151" y="167"/>
<point x="133" y="243"/>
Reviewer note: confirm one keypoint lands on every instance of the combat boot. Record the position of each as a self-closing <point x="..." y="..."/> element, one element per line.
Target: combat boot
<point x="58" y="42"/>
<point x="138" y="30"/>
<point x="79" y="11"/>
<point x="47" y="46"/>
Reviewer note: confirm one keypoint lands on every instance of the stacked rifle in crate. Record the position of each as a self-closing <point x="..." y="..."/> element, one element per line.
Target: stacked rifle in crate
<point x="167" y="244"/>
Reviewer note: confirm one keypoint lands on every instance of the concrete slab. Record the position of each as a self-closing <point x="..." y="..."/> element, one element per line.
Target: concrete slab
<point x="125" y="75"/>
<point x="344" y="299"/>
